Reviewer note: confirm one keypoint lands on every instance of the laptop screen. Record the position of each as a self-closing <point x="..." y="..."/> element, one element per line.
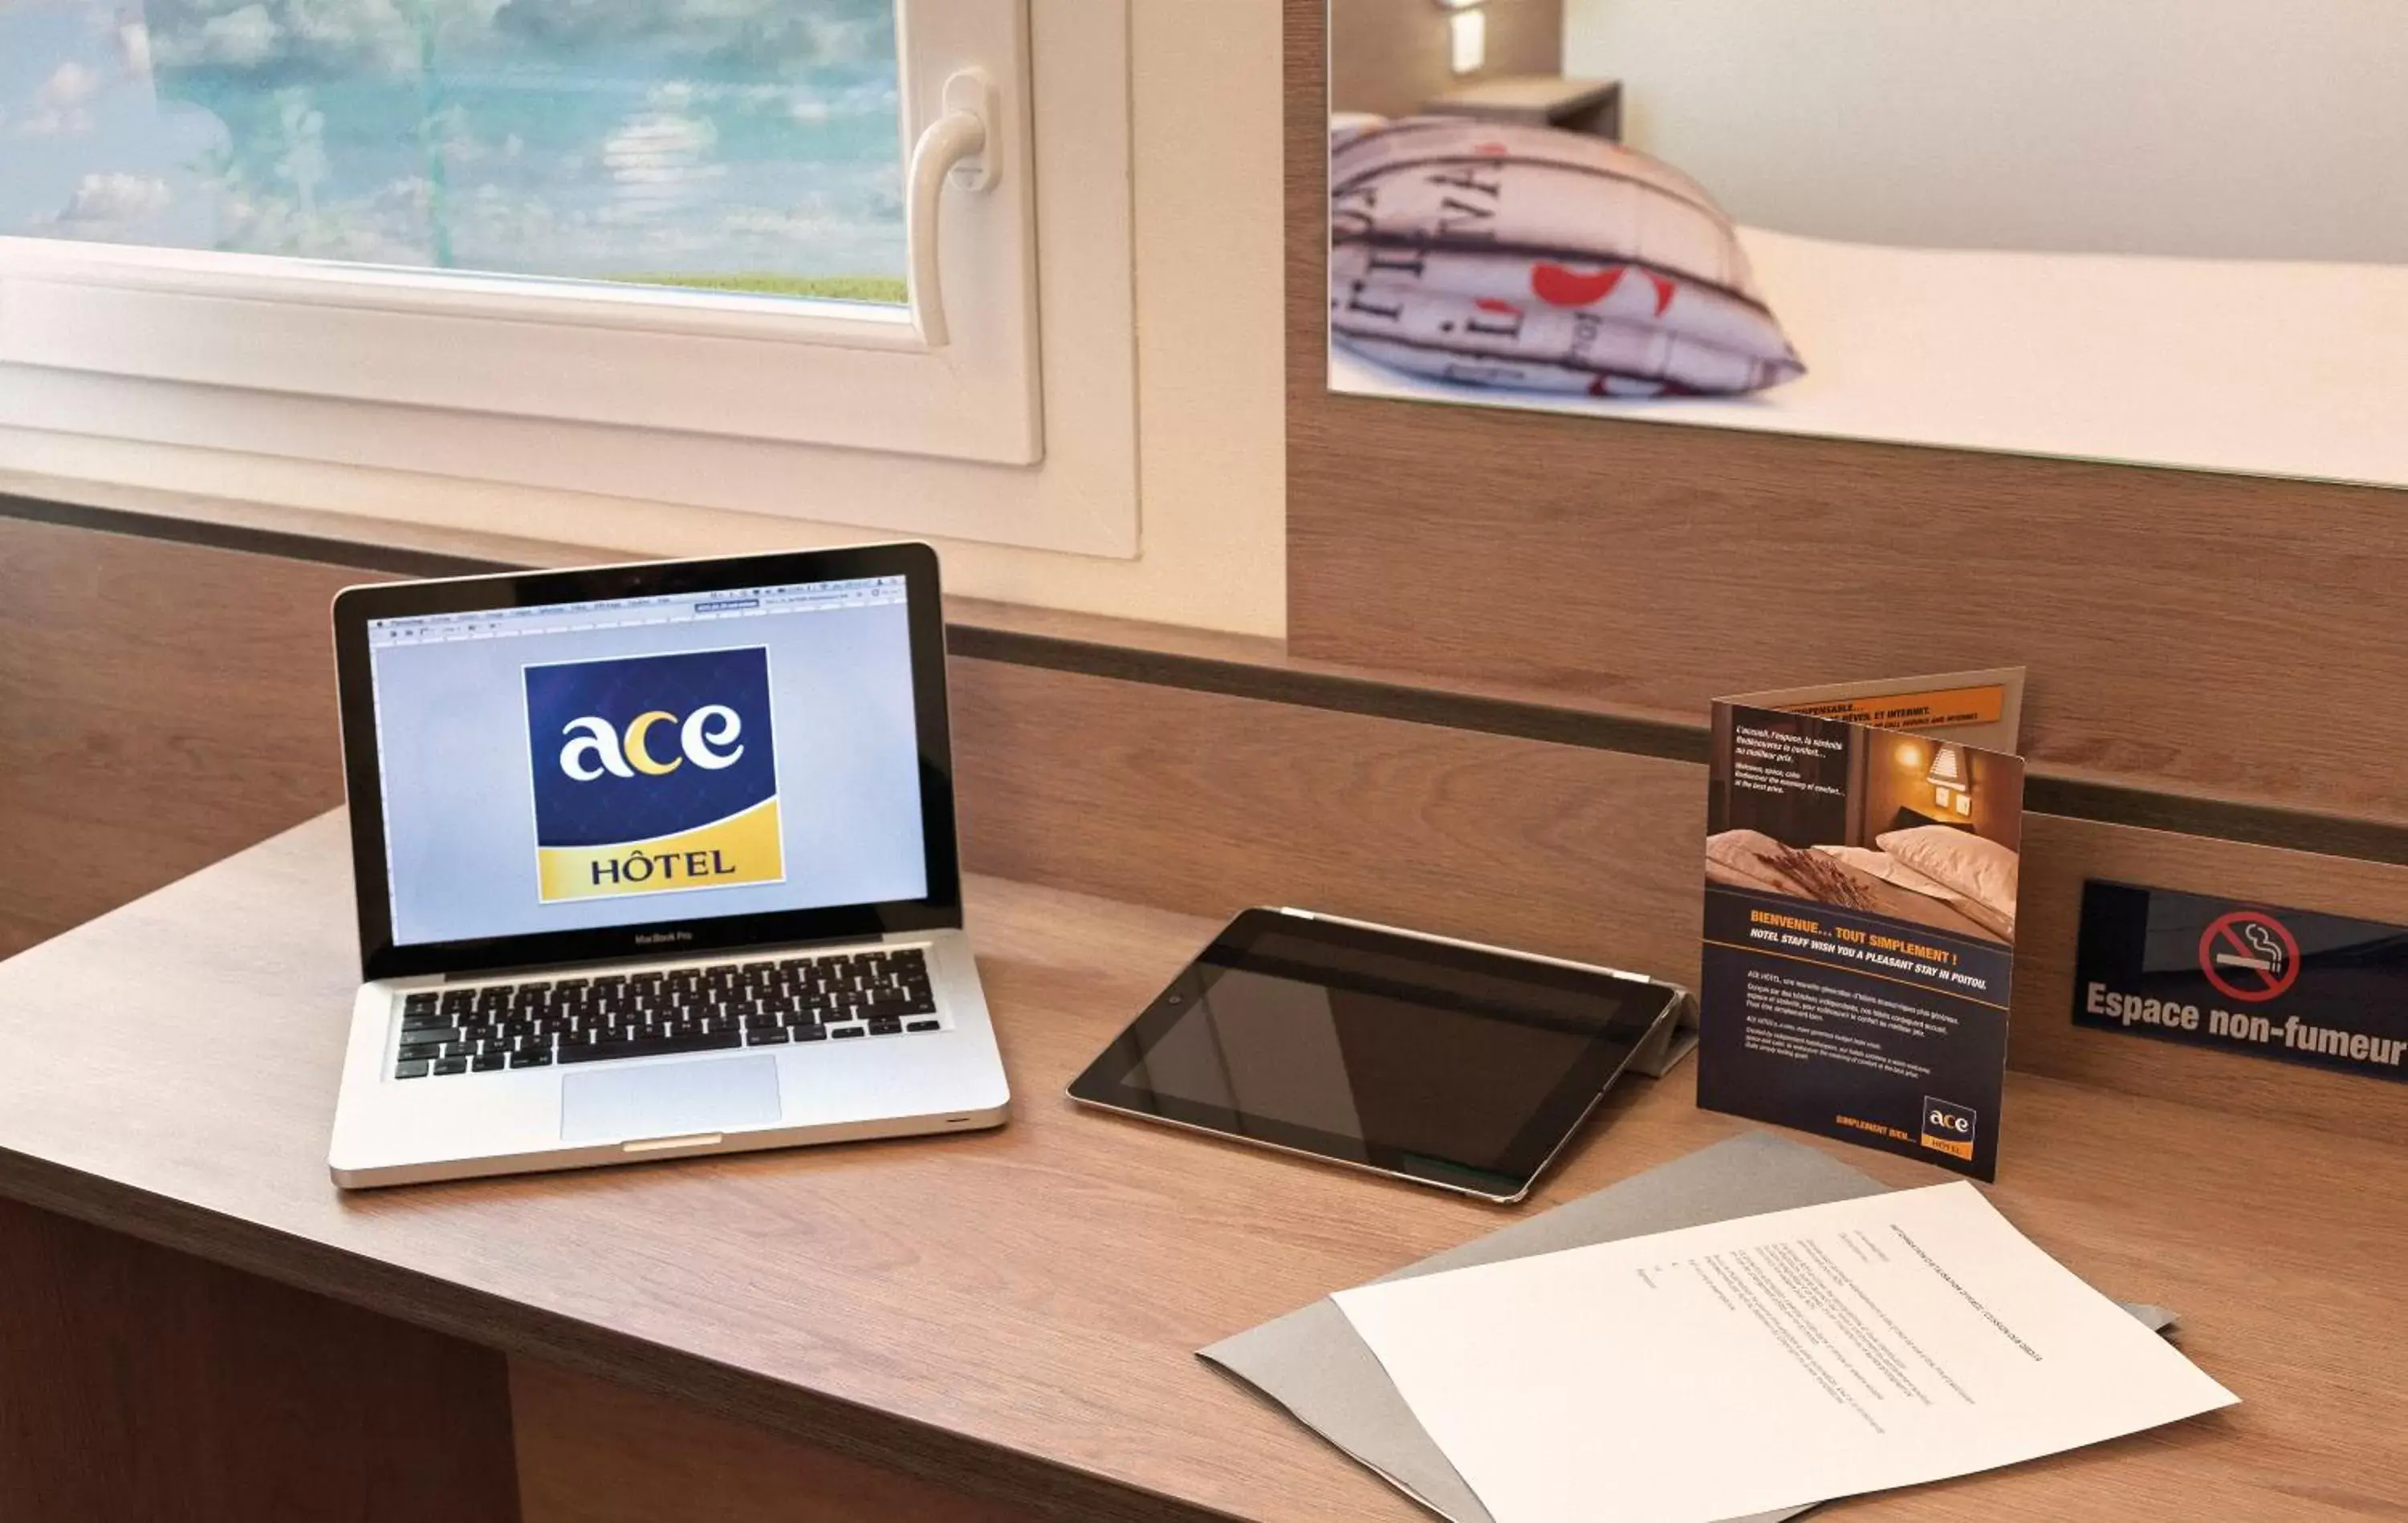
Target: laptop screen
<point x="590" y="765"/>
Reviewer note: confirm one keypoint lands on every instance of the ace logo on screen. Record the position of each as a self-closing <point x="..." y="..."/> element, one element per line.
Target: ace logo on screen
<point x="653" y="774"/>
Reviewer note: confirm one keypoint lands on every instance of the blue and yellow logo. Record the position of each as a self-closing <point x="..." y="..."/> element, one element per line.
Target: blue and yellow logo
<point x="653" y="774"/>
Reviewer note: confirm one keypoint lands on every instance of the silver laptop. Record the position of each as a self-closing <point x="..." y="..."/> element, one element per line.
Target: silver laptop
<point x="653" y="860"/>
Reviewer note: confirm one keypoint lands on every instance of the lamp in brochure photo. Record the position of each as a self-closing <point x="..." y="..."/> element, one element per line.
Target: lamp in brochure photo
<point x="1952" y="787"/>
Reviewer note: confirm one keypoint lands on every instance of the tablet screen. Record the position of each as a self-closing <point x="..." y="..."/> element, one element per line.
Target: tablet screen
<point x="1449" y="1064"/>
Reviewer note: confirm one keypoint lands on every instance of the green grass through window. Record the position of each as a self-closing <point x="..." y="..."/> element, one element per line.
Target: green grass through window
<point x="833" y="288"/>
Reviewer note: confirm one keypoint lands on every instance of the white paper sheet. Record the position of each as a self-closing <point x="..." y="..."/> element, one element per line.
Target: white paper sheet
<point x="1766" y="1362"/>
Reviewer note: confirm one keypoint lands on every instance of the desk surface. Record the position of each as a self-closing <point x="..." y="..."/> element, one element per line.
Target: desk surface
<point x="1015" y="1311"/>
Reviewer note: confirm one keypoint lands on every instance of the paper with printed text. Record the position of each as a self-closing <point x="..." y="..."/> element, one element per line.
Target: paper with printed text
<point x="1769" y="1362"/>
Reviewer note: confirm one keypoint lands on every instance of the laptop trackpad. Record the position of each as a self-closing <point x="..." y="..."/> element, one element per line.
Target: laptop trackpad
<point x="667" y="1100"/>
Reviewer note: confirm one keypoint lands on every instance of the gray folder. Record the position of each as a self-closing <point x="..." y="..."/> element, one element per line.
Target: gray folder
<point x="1310" y="1362"/>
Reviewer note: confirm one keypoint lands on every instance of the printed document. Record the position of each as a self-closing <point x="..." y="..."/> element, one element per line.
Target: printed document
<point x="1771" y="1361"/>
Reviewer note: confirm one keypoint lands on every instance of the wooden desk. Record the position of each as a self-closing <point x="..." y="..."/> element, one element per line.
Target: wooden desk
<point x="1012" y="1315"/>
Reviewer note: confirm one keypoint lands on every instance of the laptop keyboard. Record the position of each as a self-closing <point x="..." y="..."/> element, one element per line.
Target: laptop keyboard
<point x="701" y="1008"/>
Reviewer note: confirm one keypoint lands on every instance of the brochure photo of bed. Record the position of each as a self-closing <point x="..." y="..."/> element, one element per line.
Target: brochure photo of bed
<point x="1862" y="867"/>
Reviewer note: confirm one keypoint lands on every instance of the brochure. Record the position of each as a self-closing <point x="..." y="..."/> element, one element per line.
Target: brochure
<point x="1861" y="869"/>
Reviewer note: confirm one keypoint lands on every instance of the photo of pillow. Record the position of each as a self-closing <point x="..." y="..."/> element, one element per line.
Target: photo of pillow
<point x="1748" y="855"/>
<point x="1754" y="857"/>
<point x="1491" y="254"/>
<point x="1980" y="869"/>
<point x="1881" y="865"/>
<point x="1727" y="876"/>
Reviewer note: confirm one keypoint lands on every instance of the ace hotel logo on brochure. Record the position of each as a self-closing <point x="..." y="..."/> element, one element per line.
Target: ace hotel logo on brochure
<point x="1948" y="1128"/>
<point x="653" y="774"/>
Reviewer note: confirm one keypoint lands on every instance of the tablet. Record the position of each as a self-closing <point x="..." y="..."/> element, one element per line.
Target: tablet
<point x="1461" y="1066"/>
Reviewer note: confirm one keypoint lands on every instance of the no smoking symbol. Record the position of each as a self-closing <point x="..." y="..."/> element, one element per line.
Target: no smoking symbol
<point x="2249" y="955"/>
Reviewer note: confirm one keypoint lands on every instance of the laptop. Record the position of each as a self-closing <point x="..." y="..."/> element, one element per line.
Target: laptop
<point x="653" y="860"/>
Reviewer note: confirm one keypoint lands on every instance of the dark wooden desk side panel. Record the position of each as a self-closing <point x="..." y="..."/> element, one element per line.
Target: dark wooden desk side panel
<point x="594" y="1451"/>
<point x="138" y="1384"/>
<point x="2202" y="633"/>
<point x="161" y="706"/>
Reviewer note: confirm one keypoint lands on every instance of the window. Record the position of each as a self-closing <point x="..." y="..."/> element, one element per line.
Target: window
<point x="768" y="222"/>
<point x="750" y="148"/>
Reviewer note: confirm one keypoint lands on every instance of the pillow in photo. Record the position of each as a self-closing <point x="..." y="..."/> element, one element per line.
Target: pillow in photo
<point x="1491" y="254"/>
<point x="1980" y="869"/>
<point x="1739" y="857"/>
<point x="1743" y="860"/>
<point x="1881" y="865"/>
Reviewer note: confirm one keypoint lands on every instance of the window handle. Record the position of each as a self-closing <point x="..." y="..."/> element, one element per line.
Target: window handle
<point x="952" y="148"/>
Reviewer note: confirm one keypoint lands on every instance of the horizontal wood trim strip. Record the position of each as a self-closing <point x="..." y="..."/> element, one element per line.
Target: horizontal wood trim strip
<point x="2219" y="819"/>
<point x="394" y="559"/>
<point x="1630" y="735"/>
<point x="1340" y="692"/>
<point x="1134" y="653"/>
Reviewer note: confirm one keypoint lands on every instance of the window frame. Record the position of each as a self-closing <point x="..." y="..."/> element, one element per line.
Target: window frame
<point x="719" y="382"/>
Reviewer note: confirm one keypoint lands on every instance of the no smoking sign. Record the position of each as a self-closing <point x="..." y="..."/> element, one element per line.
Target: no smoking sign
<point x="2249" y="955"/>
<point x="2294" y="985"/>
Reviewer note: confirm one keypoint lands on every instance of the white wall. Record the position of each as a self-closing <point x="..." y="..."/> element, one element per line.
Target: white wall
<point x="1211" y="471"/>
<point x="2247" y="129"/>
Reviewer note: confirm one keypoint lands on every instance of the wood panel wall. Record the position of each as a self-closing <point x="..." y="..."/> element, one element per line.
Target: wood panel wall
<point x="2199" y="633"/>
<point x="1210" y="802"/>
<point x="161" y="706"/>
<point x="222" y="731"/>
